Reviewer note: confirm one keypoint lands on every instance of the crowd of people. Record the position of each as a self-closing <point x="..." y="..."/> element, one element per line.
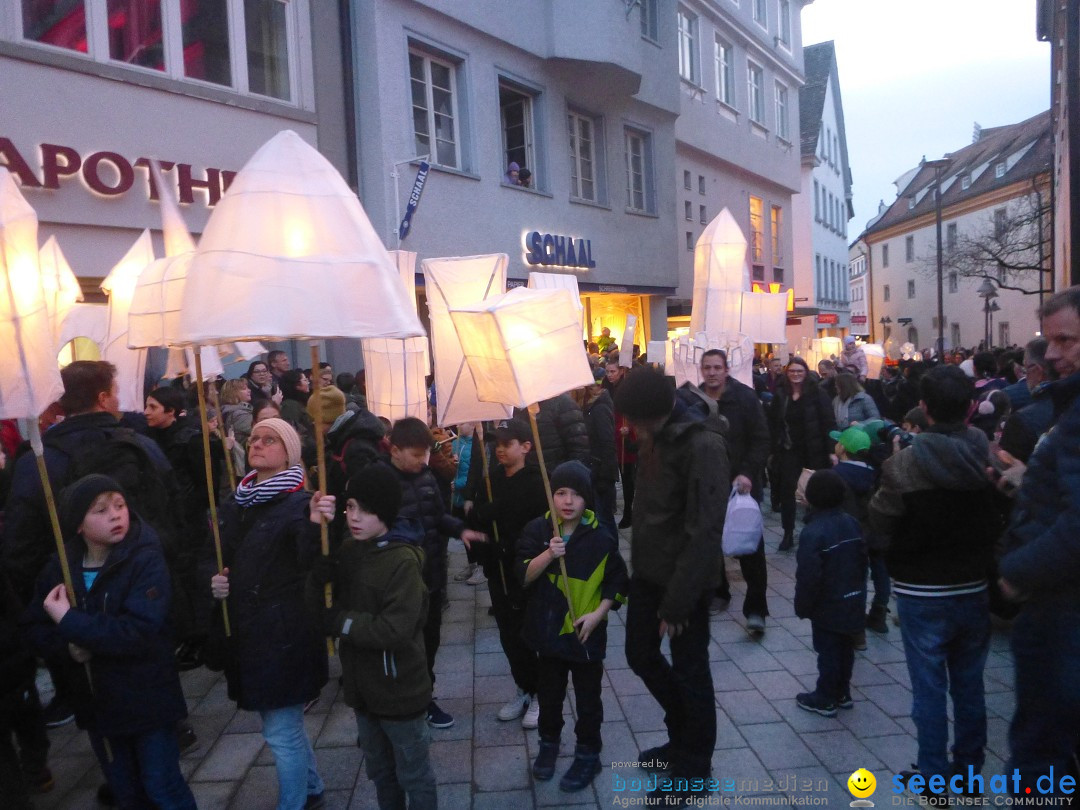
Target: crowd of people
<point x="950" y="489"/>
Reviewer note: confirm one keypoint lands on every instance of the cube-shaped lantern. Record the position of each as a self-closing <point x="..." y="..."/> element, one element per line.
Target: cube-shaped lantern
<point x="120" y="286"/>
<point x="524" y="346"/>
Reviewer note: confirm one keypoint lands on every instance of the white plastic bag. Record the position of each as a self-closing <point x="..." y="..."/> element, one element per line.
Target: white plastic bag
<point x="742" y="526"/>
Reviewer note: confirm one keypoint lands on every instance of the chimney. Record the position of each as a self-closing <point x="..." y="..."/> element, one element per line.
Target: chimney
<point x="881" y="207"/>
<point x="976" y="133"/>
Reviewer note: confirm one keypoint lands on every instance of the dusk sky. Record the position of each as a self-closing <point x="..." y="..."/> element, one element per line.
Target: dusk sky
<point x="916" y="75"/>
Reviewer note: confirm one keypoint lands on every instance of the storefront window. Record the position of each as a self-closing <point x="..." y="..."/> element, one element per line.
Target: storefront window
<point x="135" y="33"/>
<point x="55" y="22"/>
<point x="206" y="41"/>
<point x="267" y="48"/>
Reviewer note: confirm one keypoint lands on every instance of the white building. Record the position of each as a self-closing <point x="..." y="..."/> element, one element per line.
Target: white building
<point x="823" y="206"/>
<point x="859" y="289"/>
<point x="736" y="138"/>
<point x="1003" y="174"/>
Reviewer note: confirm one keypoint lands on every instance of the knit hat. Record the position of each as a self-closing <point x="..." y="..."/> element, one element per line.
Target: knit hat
<point x="645" y="394"/>
<point x="77" y="498"/>
<point x="333" y="404"/>
<point x="576" y="476"/>
<point x="287" y="434"/>
<point x="377" y="490"/>
<point x="825" y="489"/>
<point x="853" y="439"/>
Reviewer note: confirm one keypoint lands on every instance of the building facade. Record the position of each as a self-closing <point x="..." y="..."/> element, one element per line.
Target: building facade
<point x="859" y="286"/>
<point x="591" y="117"/>
<point x="740" y="68"/>
<point x="995" y="228"/>
<point x="823" y="206"/>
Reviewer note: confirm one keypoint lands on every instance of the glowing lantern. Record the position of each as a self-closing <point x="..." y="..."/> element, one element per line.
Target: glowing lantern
<point x="61" y="288"/>
<point x="120" y="287"/>
<point x="720" y="277"/>
<point x="764" y="317"/>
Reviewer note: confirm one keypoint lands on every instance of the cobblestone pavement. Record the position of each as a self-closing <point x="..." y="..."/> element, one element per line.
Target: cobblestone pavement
<point x="766" y="746"/>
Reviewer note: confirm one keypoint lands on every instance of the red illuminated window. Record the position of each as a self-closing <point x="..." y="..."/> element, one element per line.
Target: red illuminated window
<point x="135" y="33"/>
<point x="55" y="22"/>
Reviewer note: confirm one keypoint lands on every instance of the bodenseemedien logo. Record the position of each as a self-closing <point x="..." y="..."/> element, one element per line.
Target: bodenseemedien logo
<point x="862" y="784"/>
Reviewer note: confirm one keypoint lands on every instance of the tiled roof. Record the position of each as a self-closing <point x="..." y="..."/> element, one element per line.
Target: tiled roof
<point x="1025" y="148"/>
<point x="818" y="64"/>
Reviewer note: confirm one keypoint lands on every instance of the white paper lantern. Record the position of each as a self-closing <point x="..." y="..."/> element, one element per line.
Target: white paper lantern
<point x="61" y="287"/>
<point x="720" y="277"/>
<point x="658" y="351"/>
<point x="626" y="345"/>
<point x="764" y="317"/>
<point x="557" y="281"/>
<point x="30" y="380"/>
<point x="120" y="286"/>
<point x="394" y="377"/>
<point x="875" y="360"/>
<point x="290" y="253"/>
<point x="450" y="283"/>
<point x="524" y="346"/>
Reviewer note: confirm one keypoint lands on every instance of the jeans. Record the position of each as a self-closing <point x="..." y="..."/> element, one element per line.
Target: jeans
<point x="756" y="576"/>
<point x="629" y="484"/>
<point x="509" y="609"/>
<point x="297" y="773"/>
<point x="587" y="676"/>
<point x="433" y="629"/>
<point x="604" y="504"/>
<point x="396" y="760"/>
<point x="144" y="771"/>
<point x="946" y="641"/>
<point x="789" y="466"/>
<point x="879" y="575"/>
<point x="1046" y="727"/>
<point x="835" y="660"/>
<point x="683" y="687"/>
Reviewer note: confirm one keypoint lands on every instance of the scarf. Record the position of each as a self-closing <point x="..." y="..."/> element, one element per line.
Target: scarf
<point x="250" y="493"/>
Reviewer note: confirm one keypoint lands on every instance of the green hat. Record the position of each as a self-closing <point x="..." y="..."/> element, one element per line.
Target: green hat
<point x="872" y="428"/>
<point x="853" y="439"/>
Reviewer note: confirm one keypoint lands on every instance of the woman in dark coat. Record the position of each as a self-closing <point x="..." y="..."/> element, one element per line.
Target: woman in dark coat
<point x="800" y="418"/>
<point x="276" y="659"/>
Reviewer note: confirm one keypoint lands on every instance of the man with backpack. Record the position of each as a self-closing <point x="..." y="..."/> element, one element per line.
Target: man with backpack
<point x="89" y="440"/>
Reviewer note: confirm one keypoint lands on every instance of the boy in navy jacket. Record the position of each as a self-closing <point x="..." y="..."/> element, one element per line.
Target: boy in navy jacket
<point x="119" y="627"/>
<point x="830" y="590"/>
<point x="598" y="583"/>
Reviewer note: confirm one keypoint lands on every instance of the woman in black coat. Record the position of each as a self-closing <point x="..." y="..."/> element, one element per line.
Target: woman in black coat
<point x="800" y="419"/>
<point x="276" y="656"/>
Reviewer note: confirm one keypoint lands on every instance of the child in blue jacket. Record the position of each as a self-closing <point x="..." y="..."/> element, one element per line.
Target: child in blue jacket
<point x="119" y="627"/>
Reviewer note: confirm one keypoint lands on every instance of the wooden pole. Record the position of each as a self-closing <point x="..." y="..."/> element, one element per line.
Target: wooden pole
<point x="210" y="479"/>
<point x="320" y="455"/>
<point x="216" y="402"/>
<point x="478" y="434"/>
<point x="533" y="410"/>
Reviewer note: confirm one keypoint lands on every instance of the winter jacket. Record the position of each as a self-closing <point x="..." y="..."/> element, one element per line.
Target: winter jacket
<point x="595" y="570"/>
<point x="747" y="433"/>
<point x="17" y="663"/>
<point x="421" y="501"/>
<point x="683" y="481"/>
<point x="383" y="605"/>
<point x="856" y="358"/>
<point x="562" y="430"/>
<point x="462" y="447"/>
<point x="859" y="408"/>
<point x="830" y="581"/>
<point x="599" y="412"/>
<point x="277" y="656"/>
<point x="1043" y="541"/>
<point x="238" y="420"/>
<point x="123" y="622"/>
<point x="516" y="500"/>
<point x="817" y="421"/>
<point x="1025" y="427"/>
<point x="28" y="538"/>
<point x="861" y="481"/>
<point x="936" y="506"/>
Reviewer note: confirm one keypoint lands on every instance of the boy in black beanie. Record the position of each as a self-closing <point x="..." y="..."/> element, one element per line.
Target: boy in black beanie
<point x="830" y="591"/>
<point x="379" y="608"/>
<point x="597" y="583"/>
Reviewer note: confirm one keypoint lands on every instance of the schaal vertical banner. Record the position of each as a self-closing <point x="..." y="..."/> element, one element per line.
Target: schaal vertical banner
<point x="414" y="199"/>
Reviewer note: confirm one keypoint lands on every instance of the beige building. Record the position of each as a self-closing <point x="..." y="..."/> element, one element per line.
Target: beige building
<point x="995" y="233"/>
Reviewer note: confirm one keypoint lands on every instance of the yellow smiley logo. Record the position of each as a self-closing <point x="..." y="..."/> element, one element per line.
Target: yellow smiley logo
<point x="862" y="784"/>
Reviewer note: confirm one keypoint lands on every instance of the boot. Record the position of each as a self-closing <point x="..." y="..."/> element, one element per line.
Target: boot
<point x="544" y="766"/>
<point x="788" y="542"/>
<point x="875" y="618"/>
<point x="582" y="771"/>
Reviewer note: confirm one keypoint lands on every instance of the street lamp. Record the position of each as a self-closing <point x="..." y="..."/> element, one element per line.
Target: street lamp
<point x="987" y="292"/>
<point x="939" y="167"/>
<point x="885" y="319"/>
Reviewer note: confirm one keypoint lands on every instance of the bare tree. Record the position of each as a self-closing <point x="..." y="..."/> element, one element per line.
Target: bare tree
<point x="1011" y="247"/>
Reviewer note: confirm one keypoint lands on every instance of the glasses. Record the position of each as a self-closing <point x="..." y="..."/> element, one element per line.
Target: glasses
<point x="267" y="441"/>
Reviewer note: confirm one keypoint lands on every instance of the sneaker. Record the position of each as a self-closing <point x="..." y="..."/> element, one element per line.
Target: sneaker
<point x="582" y="771"/>
<point x="315" y="801"/>
<point x="186" y="738"/>
<point x="466" y="572"/>
<point x="531" y="718"/>
<point x="515" y="707"/>
<point x="544" y="765"/>
<point x="858" y="640"/>
<point x="755" y="625"/>
<point x="812" y="703"/>
<point x="477" y="577"/>
<point x="718" y="605"/>
<point x="656" y="759"/>
<point x="845" y="702"/>
<point x="39" y="781"/>
<point x="437" y="718"/>
<point x="311" y="704"/>
<point x="788" y="543"/>
<point x="187" y="656"/>
<point x="626" y="522"/>
<point x="57" y="713"/>
<point x="875" y="619"/>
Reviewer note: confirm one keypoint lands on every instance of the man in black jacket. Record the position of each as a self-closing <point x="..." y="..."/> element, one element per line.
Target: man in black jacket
<point x="748" y="449"/>
<point x="936" y="506"/>
<point x="563" y="434"/>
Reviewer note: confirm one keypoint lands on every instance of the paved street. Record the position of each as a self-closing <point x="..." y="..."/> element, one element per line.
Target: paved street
<point x="765" y="744"/>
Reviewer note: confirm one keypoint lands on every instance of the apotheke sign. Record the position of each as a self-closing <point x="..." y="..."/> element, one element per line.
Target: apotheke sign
<point x="109" y="174"/>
